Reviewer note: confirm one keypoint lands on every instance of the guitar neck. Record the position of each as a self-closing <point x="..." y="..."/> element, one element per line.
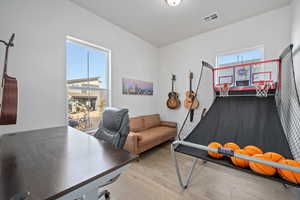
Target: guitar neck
<point x="8" y="45"/>
<point x="5" y="60"/>
<point x="172" y="85"/>
<point x="5" y="66"/>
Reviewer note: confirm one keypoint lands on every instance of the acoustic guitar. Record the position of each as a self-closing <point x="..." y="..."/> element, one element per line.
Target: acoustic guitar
<point x="173" y="102"/>
<point x="9" y="92"/>
<point x="191" y="101"/>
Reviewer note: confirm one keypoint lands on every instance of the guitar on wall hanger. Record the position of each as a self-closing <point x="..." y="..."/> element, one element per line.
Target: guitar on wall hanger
<point x="8" y="91"/>
<point x="173" y="102"/>
<point x="191" y="101"/>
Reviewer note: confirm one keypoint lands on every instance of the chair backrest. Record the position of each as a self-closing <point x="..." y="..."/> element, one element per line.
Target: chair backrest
<point x="114" y="127"/>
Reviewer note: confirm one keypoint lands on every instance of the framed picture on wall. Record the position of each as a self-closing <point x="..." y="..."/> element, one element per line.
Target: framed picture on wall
<point x="136" y="87"/>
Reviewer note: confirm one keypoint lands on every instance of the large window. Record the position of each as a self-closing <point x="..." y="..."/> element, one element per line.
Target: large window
<point x="87" y="83"/>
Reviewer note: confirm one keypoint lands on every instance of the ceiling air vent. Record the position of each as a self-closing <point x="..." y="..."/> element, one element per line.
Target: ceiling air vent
<point x="211" y="17"/>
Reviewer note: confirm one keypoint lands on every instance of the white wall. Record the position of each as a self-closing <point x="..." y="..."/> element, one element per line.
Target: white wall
<point x="271" y="29"/>
<point x="295" y="37"/>
<point x="38" y="59"/>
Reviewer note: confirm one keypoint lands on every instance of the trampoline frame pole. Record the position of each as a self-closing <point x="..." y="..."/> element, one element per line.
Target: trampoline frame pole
<point x="244" y="157"/>
<point x="182" y="184"/>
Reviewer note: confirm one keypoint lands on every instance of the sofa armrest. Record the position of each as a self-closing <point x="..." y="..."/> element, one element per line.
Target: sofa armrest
<point x="168" y="124"/>
<point x="132" y="143"/>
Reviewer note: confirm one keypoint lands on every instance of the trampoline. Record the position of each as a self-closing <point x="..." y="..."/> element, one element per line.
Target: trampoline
<point x="246" y="119"/>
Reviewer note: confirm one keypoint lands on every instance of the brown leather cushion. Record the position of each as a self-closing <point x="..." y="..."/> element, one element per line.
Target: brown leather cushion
<point x="157" y="135"/>
<point x="136" y="124"/>
<point x="151" y="121"/>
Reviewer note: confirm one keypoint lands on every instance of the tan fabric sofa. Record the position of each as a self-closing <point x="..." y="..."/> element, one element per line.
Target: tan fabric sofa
<point x="147" y="132"/>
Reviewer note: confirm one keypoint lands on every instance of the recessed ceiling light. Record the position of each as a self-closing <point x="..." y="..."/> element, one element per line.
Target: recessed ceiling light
<point x="173" y="2"/>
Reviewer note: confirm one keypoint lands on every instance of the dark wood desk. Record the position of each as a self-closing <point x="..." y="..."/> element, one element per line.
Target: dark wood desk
<point x="51" y="163"/>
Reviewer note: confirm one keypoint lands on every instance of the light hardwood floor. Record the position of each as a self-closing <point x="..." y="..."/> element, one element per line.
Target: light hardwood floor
<point x="154" y="178"/>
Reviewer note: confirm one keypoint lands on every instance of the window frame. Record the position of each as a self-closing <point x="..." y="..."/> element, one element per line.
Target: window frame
<point x="259" y="47"/>
<point x="109" y="82"/>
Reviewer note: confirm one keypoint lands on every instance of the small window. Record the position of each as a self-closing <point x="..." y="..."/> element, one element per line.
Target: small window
<point x="245" y="56"/>
<point x="242" y="75"/>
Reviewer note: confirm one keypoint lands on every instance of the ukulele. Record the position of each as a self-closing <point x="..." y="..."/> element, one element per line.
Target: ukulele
<point x="191" y="102"/>
<point x="9" y="92"/>
<point x="173" y="102"/>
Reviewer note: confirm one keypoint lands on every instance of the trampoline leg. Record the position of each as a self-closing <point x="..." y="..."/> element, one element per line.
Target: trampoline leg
<point x="286" y="186"/>
<point x="181" y="183"/>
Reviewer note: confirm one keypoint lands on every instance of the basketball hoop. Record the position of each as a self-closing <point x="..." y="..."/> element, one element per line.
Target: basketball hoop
<point x="224" y="90"/>
<point x="262" y="88"/>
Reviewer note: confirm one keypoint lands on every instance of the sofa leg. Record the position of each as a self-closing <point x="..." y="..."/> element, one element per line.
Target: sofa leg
<point x="137" y="159"/>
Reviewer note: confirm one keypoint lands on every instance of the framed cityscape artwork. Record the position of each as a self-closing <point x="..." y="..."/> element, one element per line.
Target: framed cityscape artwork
<point x="136" y="87"/>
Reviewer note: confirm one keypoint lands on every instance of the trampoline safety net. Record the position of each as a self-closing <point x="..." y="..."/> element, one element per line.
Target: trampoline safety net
<point x="288" y="105"/>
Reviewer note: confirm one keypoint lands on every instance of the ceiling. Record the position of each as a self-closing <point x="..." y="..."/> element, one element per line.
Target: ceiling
<point x="159" y="24"/>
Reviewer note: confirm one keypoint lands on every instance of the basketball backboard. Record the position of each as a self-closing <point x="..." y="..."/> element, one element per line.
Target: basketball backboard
<point x="247" y="76"/>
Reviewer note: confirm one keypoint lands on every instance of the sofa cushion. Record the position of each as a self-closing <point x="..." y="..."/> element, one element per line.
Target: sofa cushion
<point x="136" y="124"/>
<point x="151" y="121"/>
<point x="157" y="135"/>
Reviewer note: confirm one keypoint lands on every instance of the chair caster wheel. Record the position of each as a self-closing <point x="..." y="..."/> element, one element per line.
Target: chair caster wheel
<point x="107" y="196"/>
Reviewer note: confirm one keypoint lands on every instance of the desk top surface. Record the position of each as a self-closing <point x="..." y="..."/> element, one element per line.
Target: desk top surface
<point x="52" y="162"/>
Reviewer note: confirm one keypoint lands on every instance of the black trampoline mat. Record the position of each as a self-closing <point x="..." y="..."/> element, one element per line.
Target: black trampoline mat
<point x="244" y="121"/>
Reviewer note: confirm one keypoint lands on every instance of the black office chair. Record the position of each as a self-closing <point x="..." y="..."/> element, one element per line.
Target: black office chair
<point x="114" y="129"/>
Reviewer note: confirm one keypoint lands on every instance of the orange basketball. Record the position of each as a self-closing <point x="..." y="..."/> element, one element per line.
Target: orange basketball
<point x="231" y="145"/>
<point x="215" y="145"/>
<point x="260" y="168"/>
<point x="293" y="177"/>
<point x="238" y="161"/>
<point x="275" y="157"/>
<point x="252" y="150"/>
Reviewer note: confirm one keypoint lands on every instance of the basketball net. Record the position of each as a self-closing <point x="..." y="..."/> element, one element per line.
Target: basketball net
<point x="262" y="88"/>
<point x="224" y="90"/>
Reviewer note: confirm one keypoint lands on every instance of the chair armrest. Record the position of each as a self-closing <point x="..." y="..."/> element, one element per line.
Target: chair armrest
<point x="132" y="143"/>
<point x="169" y="124"/>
